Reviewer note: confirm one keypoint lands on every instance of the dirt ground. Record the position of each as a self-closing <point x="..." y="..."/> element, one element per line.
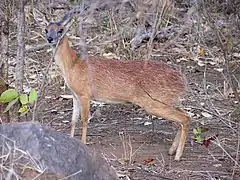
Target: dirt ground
<point x="135" y="143"/>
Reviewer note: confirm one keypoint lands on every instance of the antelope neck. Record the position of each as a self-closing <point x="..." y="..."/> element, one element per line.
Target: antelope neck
<point x="65" y="55"/>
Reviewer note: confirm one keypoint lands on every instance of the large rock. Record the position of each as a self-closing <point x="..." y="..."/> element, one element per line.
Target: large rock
<point x="34" y="150"/>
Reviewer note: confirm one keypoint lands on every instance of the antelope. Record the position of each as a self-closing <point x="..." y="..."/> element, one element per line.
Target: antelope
<point x="154" y="86"/>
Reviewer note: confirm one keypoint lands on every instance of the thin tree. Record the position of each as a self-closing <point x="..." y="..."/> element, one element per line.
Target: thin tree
<point x="5" y="11"/>
<point x="19" y="75"/>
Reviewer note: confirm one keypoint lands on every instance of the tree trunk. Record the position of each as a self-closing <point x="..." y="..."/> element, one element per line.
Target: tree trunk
<point x="19" y="76"/>
<point x="19" y="71"/>
<point x="4" y="118"/>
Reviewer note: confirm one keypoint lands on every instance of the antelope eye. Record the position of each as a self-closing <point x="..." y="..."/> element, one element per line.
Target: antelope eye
<point x="60" y="31"/>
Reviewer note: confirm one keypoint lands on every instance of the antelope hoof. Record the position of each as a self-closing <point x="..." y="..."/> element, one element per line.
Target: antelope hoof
<point x="177" y="158"/>
<point x="172" y="151"/>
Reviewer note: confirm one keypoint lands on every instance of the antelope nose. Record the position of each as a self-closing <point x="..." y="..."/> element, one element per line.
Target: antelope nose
<point x="50" y="39"/>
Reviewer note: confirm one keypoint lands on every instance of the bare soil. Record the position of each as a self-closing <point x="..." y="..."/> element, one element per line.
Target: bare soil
<point x="136" y="144"/>
<point x="132" y="141"/>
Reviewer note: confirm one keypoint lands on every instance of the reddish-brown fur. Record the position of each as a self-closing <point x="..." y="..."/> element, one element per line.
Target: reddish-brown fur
<point x="104" y="78"/>
<point x="154" y="86"/>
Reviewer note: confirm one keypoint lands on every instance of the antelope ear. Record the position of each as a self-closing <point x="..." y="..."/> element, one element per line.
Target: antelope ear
<point x="65" y="19"/>
<point x="40" y="18"/>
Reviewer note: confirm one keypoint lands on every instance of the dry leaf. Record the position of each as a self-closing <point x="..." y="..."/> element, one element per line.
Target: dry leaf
<point x="207" y="115"/>
<point x="98" y="103"/>
<point x="33" y="76"/>
<point x="149" y="161"/>
<point x="66" y="96"/>
<point x="181" y="59"/>
<point x="201" y="52"/>
<point x="237" y="55"/>
<point x="110" y="56"/>
<point x="212" y="62"/>
<point x="65" y="121"/>
<point x="190" y="114"/>
<point x="147" y="123"/>
<point x="200" y="63"/>
<point x="219" y="69"/>
<point x="123" y="161"/>
<point x="217" y="165"/>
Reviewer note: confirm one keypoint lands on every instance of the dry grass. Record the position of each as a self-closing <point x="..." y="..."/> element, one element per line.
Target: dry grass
<point x="151" y="29"/>
<point x="12" y="158"/>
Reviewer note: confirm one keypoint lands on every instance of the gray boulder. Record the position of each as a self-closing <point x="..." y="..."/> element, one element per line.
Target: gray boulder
<point x="31" y="149"/>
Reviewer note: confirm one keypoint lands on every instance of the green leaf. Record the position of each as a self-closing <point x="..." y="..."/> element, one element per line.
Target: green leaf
<point x="24" y="99"/>
<point x="23" y="109"/>
<point x="10" y="104"/>
<point x="195" y="131"/>
<point x="23" y="113"/>
<point x="8" y="95"/>
<point x="230" y="45"/>
<point x="32" y="96"/>
<point x="199" y="139"/>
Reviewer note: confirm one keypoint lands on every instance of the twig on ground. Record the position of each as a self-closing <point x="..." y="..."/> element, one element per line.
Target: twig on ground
<point x="218" y="143"/>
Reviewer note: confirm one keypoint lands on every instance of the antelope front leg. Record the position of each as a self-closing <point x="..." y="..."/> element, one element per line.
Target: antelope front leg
<point x="75" y="114"/>
<point x="85" y="106"/>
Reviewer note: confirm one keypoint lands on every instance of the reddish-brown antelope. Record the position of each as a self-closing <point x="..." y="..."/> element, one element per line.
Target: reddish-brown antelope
<point x="154" y="86"/>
